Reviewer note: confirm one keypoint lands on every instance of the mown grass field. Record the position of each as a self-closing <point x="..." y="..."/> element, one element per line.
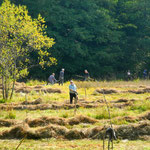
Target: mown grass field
<point x="128" y="102"/>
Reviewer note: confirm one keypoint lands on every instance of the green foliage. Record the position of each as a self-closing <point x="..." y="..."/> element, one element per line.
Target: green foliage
<point x="107" y="37"/>
<point x="2" y="100"/>
<point x="140" y="106"/>
<point x="20" y="35"/>
<point x="10" y="115"/>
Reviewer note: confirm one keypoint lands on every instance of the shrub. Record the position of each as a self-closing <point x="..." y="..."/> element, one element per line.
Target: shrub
<point x="10" y="115"/>
<point x="2" y="100"/>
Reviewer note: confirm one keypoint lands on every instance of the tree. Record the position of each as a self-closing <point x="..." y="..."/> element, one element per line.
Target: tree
<point x="134" y="18"/>
<point x="20" y="35"/>
<point x="86" y="32"/>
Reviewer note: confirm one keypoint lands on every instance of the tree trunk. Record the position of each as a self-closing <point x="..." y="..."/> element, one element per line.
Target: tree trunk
<point x="6" y="89"/>
<point x="13" y="87"/>
<point x="3" y="88"/>
<point x="14" y="80"/>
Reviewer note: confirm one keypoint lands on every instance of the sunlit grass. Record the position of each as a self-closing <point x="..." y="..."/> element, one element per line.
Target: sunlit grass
<point x="56" y="144"/>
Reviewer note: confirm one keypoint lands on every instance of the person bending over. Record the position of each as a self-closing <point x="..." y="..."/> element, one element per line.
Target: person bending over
<point x="52" y="79"/>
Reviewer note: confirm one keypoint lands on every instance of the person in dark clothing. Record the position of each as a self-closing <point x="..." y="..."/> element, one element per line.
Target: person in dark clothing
<point x="52" y="79"/>
<point x="128" y="75"/>
<point x="72" y="91"/>
<point x="61" y="77"/>
<point x="86" y="75"/>
<point x="145" y="73"/>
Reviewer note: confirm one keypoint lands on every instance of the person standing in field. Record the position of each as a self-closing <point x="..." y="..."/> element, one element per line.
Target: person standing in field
<point x="86" y="75"/>
<point x="145" y="73"/>
<point x="72" y="91"/>
<point x="52" y="79"/>
<point x="129" y="75"/>
<point x="61" y="76"/>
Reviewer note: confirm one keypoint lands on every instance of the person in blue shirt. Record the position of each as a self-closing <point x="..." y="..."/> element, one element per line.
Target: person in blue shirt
<point x="72" y="91"/>
<point x="145" y="73"/>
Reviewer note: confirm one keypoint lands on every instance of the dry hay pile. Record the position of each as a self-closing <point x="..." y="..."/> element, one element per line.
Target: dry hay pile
<point x="127" y="118"/>
<point x="44" y="121"/>
<point x="140" y="91"/>
<point x="106" y="91"/>
<point x="18" y="132"/>
<point x="145" y="116"/>
<point x="81" y="119"/>
<point x="7" y="122"/>
<point x="122" y="105"/>
<point x="132" y="132"/>
<point x="32" y="107"/>
<point x="22" y="88"/>
<point x="35" y="102"/>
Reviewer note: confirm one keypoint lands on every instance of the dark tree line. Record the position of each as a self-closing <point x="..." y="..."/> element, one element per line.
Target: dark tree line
<point x="106" y="37"/>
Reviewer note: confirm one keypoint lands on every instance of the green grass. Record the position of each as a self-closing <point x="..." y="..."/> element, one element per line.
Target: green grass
<point x="56" y="144"/>
<point x="139" y="107"/>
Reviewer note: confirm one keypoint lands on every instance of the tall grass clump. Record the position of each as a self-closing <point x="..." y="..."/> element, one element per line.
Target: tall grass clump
<point x="104" y="114"/>
<point x="35" y="82"/>
<point x="2" y="100"/>
<point x="10" y="115"/>
<point x="141" y="106"/>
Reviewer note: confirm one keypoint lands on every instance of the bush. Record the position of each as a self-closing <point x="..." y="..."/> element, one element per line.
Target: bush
<point x="2" y="100"/>
<point x="10" y="115"/>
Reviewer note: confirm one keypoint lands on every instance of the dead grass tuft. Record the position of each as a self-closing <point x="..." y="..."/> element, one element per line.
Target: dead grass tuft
<point x="133" y="132"/>
<point x="44" y="121"/>
<point x="81" y="119"/>
<point x="51" y="131"/>
<point x="18" y="132"/>
<point x="35" y="102"/>
<point x="74" y="134"/>
<point x="7" y="123"/>
<point x="106" y="91"/>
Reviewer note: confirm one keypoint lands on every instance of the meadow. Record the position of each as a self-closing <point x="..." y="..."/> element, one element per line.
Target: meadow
<point x="43" y="113"/>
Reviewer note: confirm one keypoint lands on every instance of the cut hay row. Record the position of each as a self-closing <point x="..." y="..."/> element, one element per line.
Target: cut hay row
<point x="22" y="88"/>
<point x="132" y="132"/>
<point x="58" y="106"/>
<point x="38" y="104"/>
<point x="112" y="91"/>
<point x="44" y="121"/>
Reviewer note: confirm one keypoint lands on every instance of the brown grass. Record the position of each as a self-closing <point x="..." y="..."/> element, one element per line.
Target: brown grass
<point x="7" y="122"/>
<point x="35" y="102"/>
<point x="132" y="132"/>
<point x="81" y="119"/>
<point x="44" y="121"/>
<point x="106" y="91"/>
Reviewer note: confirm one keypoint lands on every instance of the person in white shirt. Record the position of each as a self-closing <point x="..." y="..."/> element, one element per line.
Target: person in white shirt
<point x="72" y="91"/>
